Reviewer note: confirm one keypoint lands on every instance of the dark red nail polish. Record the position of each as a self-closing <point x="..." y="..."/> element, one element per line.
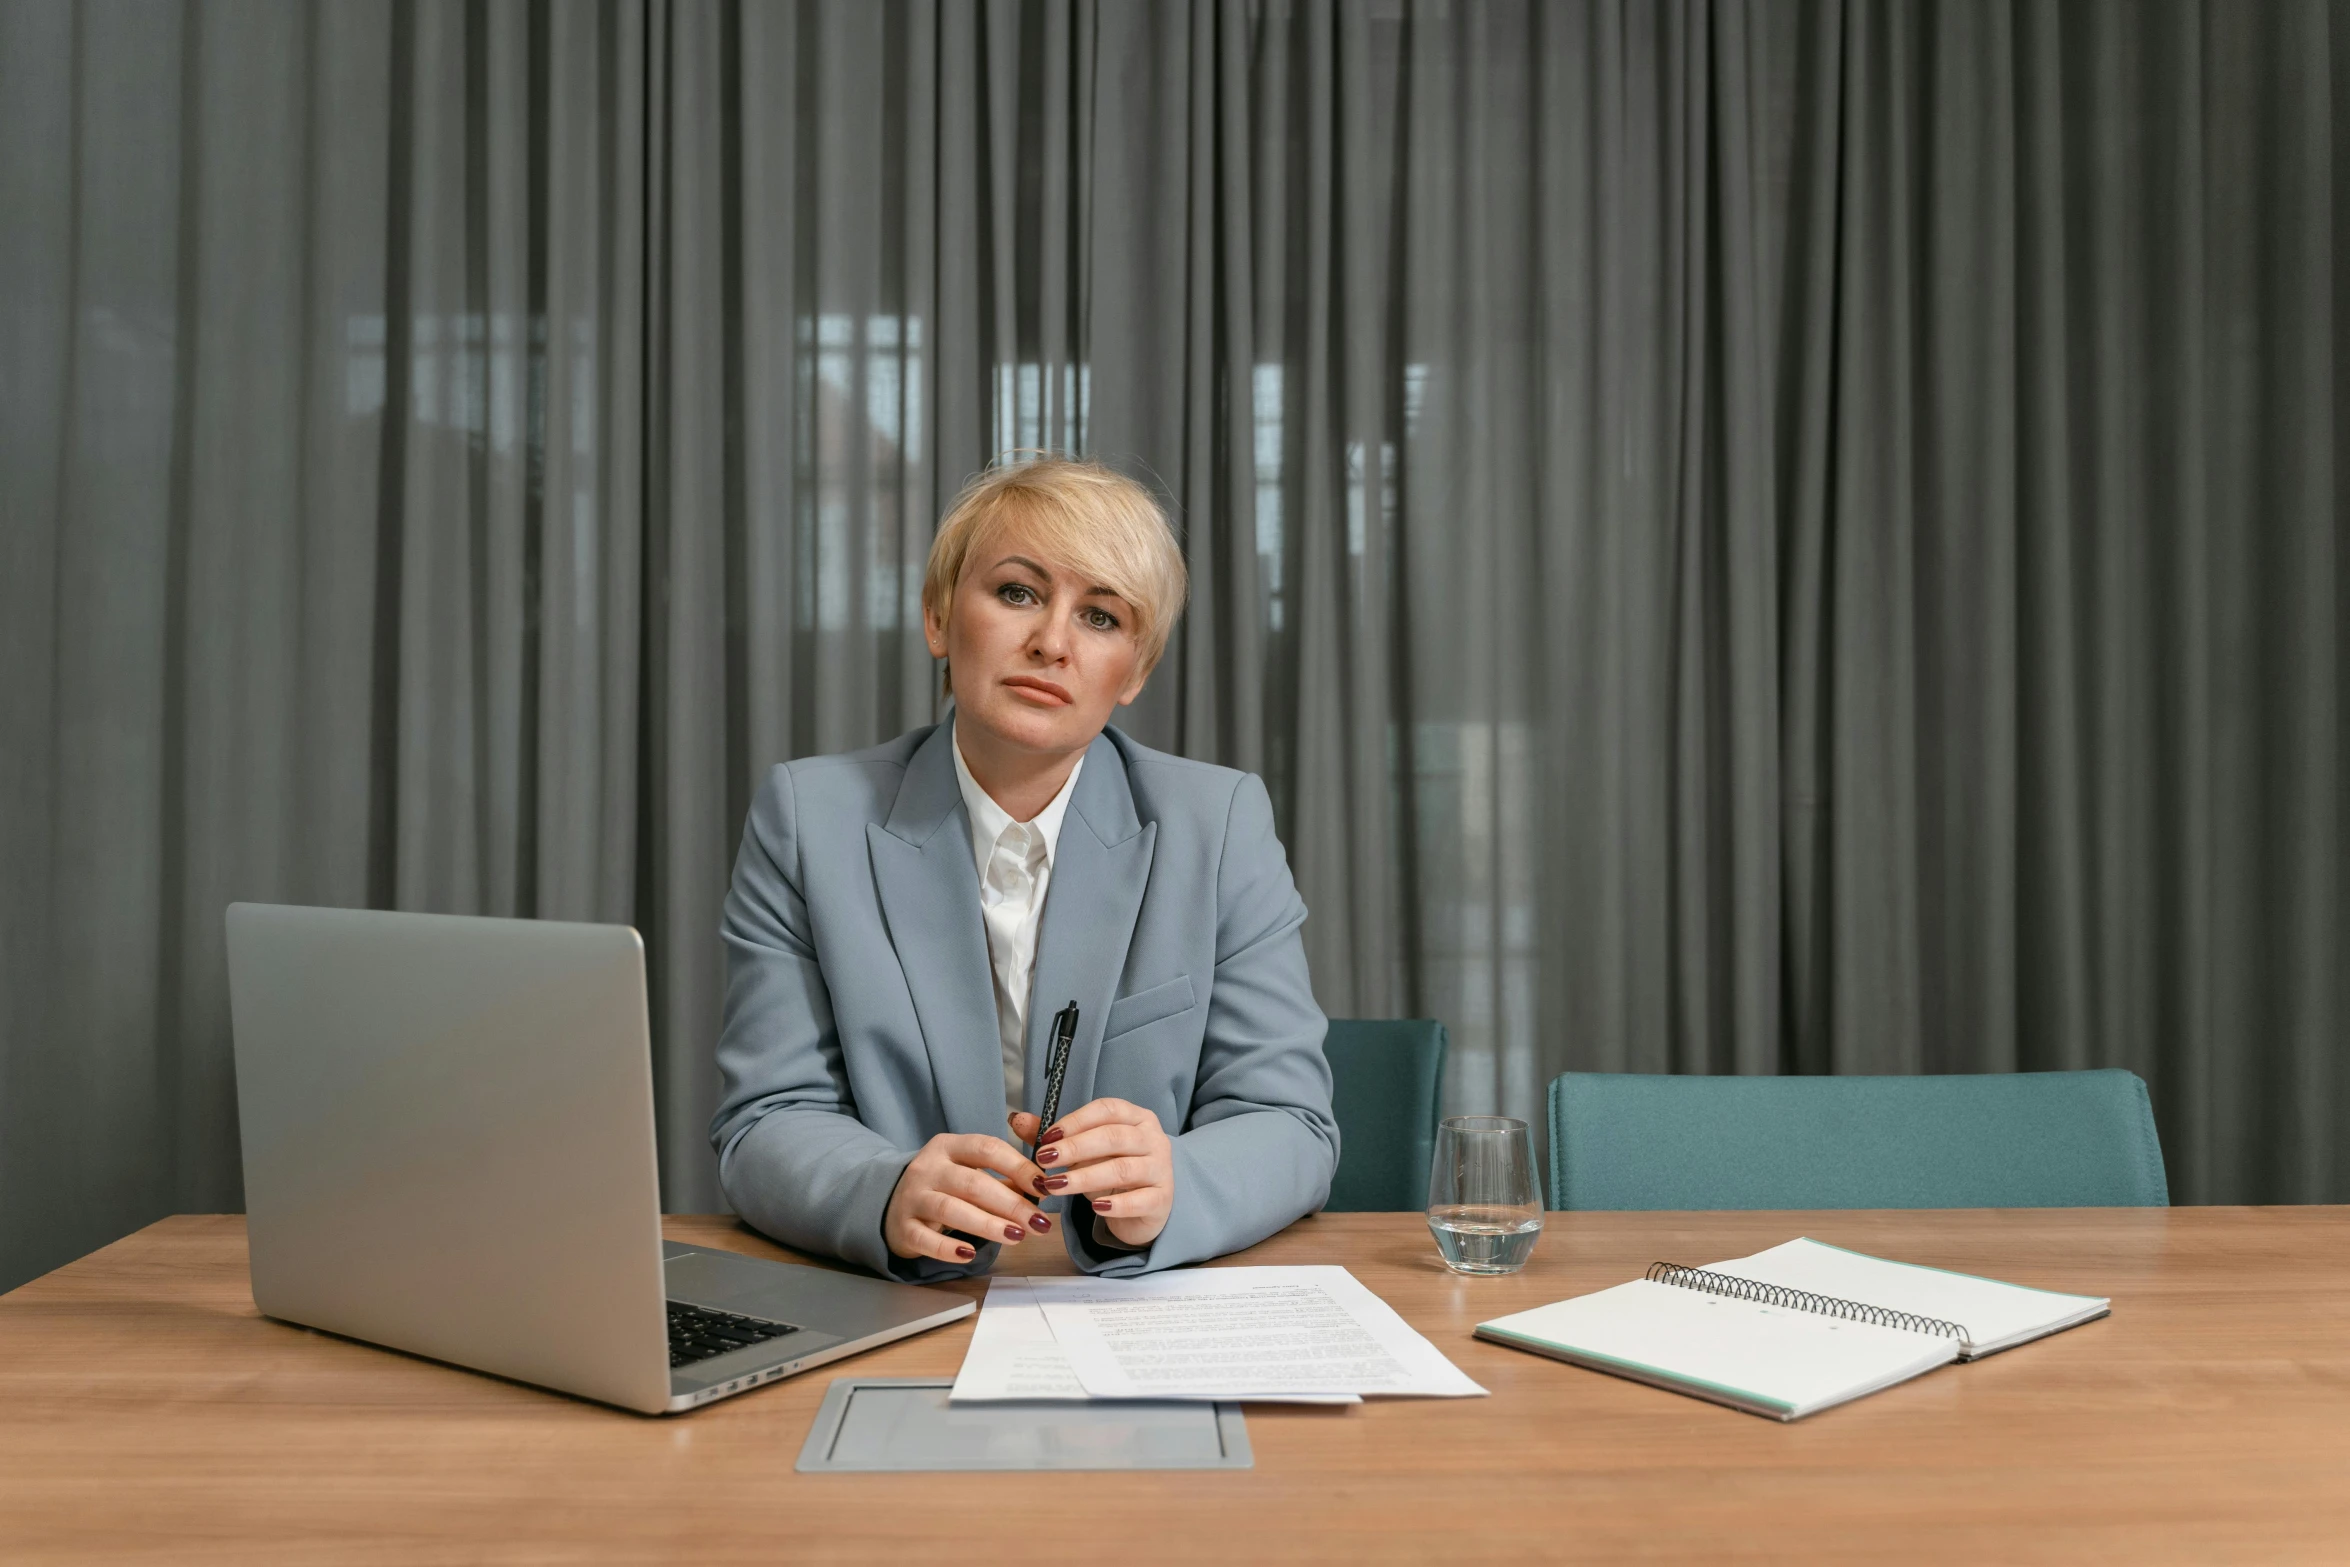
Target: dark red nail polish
<point x="1039" y="1223"/>
<point x="1052" y="1183"/>
<point x="1011" y="1232"/>
<point x="1047" y="1155"/>
<point x="1101" y="1205"/>
<point x="1052" y="1134"/>
<point x="965" y="1253"/>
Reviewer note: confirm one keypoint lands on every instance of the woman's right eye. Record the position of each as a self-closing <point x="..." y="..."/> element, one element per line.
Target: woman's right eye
<point x="1016" y="593"/>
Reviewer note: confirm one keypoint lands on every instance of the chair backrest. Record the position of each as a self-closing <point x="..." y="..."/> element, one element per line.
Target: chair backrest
<point x="1386" y="1075"/>
<point x="1997" y="1140"/>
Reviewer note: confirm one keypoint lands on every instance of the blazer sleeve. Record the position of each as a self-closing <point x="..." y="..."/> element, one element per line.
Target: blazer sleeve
<point x="792" y="1156"/>
<point x="1261" y="1143"/>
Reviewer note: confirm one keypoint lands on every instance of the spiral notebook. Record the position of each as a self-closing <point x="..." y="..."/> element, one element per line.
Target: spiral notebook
<point x="1789" y="1331"/>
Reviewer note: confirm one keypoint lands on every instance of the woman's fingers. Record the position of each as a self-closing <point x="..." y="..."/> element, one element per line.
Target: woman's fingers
<point x="1099" y="1112"/>
<point x="952" y="1211"/>
<point x="1024" y="1127"/>
<point x="1103" y="1142"/>
<point x="978" y="1151"/>
<point x="952" y="1185"/>
<point x="1003" y="1206"/>
<point x="1142" y="1204"/>
<point x="1099" y="1131"/>
<point x="1114" y="1154"/>
<point x="1113" y="1175"/>
<point x="914" y="1239"/>
<point x="1117" y="1157"/>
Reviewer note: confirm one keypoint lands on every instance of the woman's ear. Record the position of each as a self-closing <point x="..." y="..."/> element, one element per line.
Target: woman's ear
<point x="934" y="630"/>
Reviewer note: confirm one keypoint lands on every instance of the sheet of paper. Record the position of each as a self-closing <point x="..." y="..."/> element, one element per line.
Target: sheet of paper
<point x="1014" y="1357"/>
<point x="1241" y="1333"/>
<point x="1996" y="1315"/>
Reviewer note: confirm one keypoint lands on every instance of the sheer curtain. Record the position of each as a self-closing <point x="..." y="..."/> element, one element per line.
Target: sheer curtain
<point x="1792" y="537"/>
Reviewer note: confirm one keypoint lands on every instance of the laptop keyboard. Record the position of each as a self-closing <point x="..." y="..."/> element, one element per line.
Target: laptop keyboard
<point x="697" y="1332"/>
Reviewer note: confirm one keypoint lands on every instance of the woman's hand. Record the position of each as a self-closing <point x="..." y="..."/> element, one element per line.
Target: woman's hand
<point x="951" y="1185"/>
<point x="1117" y="1157"/>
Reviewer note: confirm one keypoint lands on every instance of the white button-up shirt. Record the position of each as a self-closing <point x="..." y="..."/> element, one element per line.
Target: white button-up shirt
<point x="1015" y="864"/>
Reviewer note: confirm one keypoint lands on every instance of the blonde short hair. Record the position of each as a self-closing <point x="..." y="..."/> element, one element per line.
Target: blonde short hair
<point x="1099" y="521"/>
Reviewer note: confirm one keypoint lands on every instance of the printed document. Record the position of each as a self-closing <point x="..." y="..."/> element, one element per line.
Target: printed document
<point x="1241" y="1333"/>
<point x="1014" y="1357"/>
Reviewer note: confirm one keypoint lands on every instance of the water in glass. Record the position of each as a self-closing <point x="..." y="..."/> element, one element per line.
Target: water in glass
<point x="1484" y="1238"/>
<point x="1483" y="1207"/>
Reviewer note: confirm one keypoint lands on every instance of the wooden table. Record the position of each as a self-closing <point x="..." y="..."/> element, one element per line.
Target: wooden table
<point x="147" y="1410"/>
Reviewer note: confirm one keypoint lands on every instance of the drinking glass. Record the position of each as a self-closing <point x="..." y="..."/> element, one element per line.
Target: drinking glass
<point x="1483" y="1207"/>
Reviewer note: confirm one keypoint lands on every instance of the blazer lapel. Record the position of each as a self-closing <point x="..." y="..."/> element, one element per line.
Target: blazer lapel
<point x="930" y="898"/>
<point x="1101" y="867"/>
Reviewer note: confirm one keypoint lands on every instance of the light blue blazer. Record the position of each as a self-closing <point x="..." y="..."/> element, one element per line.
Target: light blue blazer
<point x="860" y="1008"/>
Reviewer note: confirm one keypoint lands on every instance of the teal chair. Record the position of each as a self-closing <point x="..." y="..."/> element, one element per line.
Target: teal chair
<point x="1998" y="1140"/>
<point x="1386" y="1076"/>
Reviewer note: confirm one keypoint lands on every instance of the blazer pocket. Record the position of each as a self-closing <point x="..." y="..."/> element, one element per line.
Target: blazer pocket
<point x="1129" y="1013"/>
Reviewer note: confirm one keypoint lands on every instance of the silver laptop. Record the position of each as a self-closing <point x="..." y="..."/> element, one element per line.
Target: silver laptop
<point x="448" y="1137"/>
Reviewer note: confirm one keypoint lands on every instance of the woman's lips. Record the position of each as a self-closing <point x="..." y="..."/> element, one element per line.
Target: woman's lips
<point x="1041" y="690"/>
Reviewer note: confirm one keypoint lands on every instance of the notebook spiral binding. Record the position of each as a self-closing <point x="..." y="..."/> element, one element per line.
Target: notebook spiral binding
<point x="1754" y="1290"/>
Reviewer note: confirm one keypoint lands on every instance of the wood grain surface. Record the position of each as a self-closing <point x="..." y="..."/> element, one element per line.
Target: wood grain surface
<point x="147" y="1411"/>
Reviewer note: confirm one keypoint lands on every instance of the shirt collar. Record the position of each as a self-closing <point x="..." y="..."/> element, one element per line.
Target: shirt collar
<point x="988" y="819"/>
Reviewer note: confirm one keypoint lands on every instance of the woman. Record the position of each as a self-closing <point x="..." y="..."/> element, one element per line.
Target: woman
<point x="894" y="962"/>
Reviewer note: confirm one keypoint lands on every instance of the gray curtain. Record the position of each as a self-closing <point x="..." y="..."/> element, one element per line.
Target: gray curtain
<point x="1795" y="537"/>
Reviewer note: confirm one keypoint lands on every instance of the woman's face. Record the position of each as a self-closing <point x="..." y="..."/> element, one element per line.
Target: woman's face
<point x="1037" y="654"/>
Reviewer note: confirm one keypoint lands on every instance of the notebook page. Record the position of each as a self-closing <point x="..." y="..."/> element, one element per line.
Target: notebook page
<point x="1765" y="1358"/>
<point x="1995" y="1315"/>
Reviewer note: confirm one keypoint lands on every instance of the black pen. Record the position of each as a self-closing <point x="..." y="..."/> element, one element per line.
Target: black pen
<point x="1056" y="1066"/>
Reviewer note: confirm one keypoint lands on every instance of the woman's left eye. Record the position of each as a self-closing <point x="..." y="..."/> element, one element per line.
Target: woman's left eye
<point x="1101" y="620"/>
